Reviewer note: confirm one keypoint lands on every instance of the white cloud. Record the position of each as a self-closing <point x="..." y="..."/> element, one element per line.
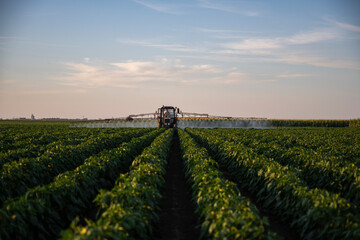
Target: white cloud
<point x="253" y="44"/>
<point x="84" y="68"/>
<point x="135" y="67"/>
<point x="207" y="30"/>
<point x="310" y="37"/>
<point x="165" y="46"/>
<point x="347" y="26"/>
<point x="132" y="74"/>
<point x="229" y="33"/>
<point x="282" y="42"/>
<point x="226" y="8"/>
<point x="279" y="49"/>
<point x="160" y="7"/>
<point x="229" y="52"/>
<point x="233" y="77"/>
<point x="293" y="75"/>
<point x="318" y="61"/>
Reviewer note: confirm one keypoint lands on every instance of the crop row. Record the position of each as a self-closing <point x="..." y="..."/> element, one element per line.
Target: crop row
<point x="309" y="123"/>
<point x="315" y="213"/>
<point x="16" y="177"/>
<point x="129" y="210"/>
<point x="35" y="141"/>
<point x="354" y="123"/>
<point x="32" y="150"/>
<point x="224" y="212"/>
<point x="43" y="211"/>
<point x="343" y="143"/>
<point x="317" y="169"/>
<point x="18" y="136"/>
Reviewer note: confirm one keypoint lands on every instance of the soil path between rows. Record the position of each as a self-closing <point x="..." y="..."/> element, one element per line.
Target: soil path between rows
<point x="177" y="219"/>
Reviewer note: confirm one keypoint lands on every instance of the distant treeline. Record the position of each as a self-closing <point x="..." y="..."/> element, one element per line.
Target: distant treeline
<point x="315" y="123"/>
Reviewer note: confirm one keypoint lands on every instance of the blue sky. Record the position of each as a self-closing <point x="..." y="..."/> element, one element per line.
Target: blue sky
<point x="101" y="59"/>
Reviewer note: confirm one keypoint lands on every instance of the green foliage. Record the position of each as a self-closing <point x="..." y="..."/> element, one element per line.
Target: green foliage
<point x="18" y="176"/>
<point x="43" y="211"/>
<point x="315" y="213"/>
<point x="225" y="214"/>
<point x="323" y="158"/>
<point x="309" y="123"/>
<point x="309" y="177"/>
<point x="355" y="123"/>
<point x="34" y="140"/>
<point x="129" y="210"/>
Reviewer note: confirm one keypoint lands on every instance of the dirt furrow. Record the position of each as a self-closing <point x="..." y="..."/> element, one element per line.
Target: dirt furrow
<point x="177" y="218"/>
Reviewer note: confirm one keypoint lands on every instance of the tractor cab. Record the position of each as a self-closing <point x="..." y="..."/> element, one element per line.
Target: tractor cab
<point x="167" y="117"/>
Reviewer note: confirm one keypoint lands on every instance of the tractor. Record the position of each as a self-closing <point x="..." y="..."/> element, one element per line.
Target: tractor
<point x="167" y="117"/>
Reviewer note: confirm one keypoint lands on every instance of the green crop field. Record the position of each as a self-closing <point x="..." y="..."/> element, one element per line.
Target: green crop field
<point x="59" y="182"/>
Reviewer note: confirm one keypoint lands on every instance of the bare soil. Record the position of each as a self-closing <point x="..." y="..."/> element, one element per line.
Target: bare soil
<point x="177" y="218"/>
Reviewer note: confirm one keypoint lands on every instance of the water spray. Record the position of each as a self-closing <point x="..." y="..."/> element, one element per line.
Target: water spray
<point x="243" y="123"/>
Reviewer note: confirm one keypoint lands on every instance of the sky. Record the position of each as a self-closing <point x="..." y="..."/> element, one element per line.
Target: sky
<point x="103" y="59"/>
